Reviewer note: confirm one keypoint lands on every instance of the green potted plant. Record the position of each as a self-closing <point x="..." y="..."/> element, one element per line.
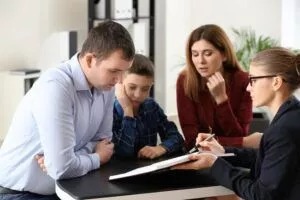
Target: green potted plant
<point x="247" y="44"/>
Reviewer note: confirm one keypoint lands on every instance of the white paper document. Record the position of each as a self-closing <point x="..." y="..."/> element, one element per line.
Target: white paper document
<point x="159" y="165"/>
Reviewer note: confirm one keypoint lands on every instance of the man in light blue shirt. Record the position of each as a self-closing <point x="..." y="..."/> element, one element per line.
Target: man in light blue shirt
<point x="63" y="126"/>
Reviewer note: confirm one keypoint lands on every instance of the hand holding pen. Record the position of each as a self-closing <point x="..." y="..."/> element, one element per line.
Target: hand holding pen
<point x="206" y="142"/>
<point x="197" y="146"/>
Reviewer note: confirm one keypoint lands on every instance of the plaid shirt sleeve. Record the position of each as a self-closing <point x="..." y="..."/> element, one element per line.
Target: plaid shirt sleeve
<point x="168" y="132"/>
<point x="124" y="133"/>
<point x="132" y="134"/>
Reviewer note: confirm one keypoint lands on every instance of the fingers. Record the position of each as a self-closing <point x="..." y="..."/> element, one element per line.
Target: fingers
<point x="144" y="153"/>
<point x="40" y="159"/>
<point x="43" y="167"/>
<point x="216" y="86"/>
<point x="190" y="165"/>
<point x="122" y="76"/>
<point x="215" y="80"/>
<point x="38" y="156"/>
<point x="106" y="141"/>
<point x="109" y="145"/>
<point x="219" y="76"/>
<point x="41" y="162"/>
<point x="104" y="149"/>
<point x="201" y="137"/>
<point x="119" y="90"/>
<point x="119" y="85"/>
<point x="148" y="152"/>
<point x="209" y="145"/>
<point x="197" y="162"/>
<point x="123" y="98"/>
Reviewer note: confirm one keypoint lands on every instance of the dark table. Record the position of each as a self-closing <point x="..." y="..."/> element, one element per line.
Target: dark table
<point x="162" y="184"/>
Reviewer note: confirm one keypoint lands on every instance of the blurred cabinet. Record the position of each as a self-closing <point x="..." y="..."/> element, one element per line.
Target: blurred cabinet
<point x="12" y="88"/>
<point x="137" y="16"/>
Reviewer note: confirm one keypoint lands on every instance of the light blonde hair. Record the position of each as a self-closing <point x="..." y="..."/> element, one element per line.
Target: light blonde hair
<point x="280" y="61"/>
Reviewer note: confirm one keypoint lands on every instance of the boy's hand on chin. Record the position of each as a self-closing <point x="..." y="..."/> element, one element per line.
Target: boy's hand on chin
<point x="123" y="99"/>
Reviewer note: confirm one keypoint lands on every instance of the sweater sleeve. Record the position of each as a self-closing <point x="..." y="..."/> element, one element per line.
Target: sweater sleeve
<point x="235" y="121"/>
<point x="235" y="124"/>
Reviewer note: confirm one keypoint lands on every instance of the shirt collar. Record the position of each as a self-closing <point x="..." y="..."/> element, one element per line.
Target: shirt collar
<point x="79" y="78"/>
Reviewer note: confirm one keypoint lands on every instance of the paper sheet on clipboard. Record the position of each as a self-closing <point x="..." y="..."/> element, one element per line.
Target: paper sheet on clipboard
<point x="159" y="165"/>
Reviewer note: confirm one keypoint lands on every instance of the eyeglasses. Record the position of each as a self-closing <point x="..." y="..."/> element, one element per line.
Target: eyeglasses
<point x="253" y="78"/>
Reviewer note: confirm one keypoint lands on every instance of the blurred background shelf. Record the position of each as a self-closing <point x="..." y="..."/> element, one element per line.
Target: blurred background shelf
<point x="137" y="16"/>
<point x="12" y="89"/>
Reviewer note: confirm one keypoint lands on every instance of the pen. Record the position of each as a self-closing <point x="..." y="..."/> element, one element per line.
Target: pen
<point x="198" y="145"/>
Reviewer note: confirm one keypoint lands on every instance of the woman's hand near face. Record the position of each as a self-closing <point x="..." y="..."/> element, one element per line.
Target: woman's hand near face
<point x="124" y="100"/>
<point x="217" y="88"/>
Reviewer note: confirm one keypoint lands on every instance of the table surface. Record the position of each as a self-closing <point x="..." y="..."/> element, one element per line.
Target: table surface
<point x="95" y="184"/>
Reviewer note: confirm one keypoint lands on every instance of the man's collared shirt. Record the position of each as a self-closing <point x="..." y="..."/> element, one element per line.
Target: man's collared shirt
<point x="61" y="119"/>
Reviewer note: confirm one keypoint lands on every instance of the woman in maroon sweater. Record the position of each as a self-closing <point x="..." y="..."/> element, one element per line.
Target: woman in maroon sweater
<point x="211" y="90"/>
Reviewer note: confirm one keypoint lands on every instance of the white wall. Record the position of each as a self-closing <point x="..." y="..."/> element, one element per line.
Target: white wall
<point x="291" y="27"/>
<point x="290" y="23"/>
<point x="160" y="53"/>
<point x="31" y="36"/>
<point x="182" y="16"/>
<point x="29" y="31"/>
<point x="20" y="32"/>
<point x="26" y="26"/>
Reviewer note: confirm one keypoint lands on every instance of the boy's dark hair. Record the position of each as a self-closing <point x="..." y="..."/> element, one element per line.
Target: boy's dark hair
<point x="142" y="66"/>
<point x="106" y="38"/>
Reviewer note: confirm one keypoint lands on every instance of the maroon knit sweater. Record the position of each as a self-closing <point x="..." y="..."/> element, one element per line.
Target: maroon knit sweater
<point x="229" y="121"/>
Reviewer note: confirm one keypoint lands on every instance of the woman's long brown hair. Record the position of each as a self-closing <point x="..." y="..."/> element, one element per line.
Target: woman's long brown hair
<point x="217" y="37"/>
